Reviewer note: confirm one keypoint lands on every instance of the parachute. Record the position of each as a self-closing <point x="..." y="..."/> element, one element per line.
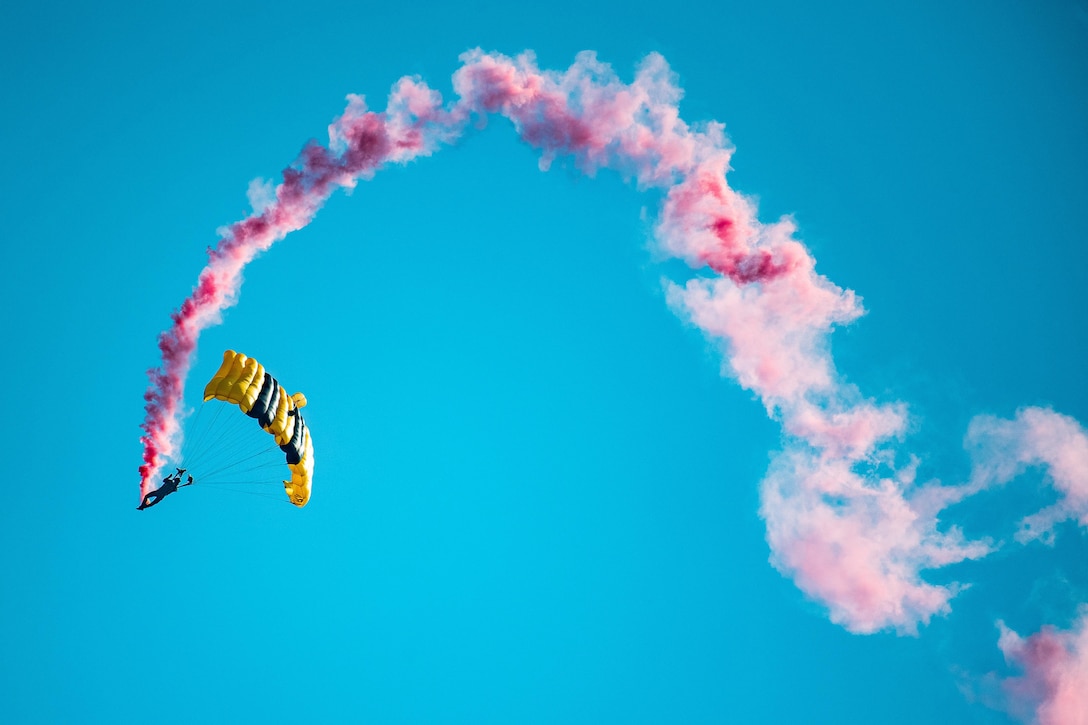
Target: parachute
<point x="242" y="381"/>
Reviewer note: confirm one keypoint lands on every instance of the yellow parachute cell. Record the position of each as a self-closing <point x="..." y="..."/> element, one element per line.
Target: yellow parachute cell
<point x="244" y="382"/>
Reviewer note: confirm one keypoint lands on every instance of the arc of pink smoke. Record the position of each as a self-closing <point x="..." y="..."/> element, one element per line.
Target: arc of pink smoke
<point x="585" y="112"/>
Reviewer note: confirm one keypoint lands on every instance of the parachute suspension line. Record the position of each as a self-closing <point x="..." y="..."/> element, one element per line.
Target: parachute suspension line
<point x="220" y="458"/>
<point x="194" y="425"/>
<point x="260" y="473"/>
<point x="196" y="445"/>
<point x="225" y="434"/>
<point x="275" y="497"/>
<point x="239" y="483"/>
<point x="232" y="464"/>
<point x="222" y="445"/>
<point x="204" y="428"/>
<point x="220" y="466"/>
<point x="200" y="425"/>
<point x="257" y="464"/>
<point x="216" y="440"/>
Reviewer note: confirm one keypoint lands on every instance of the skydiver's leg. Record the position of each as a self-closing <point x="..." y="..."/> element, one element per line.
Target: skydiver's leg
<point x="154" y="494"/>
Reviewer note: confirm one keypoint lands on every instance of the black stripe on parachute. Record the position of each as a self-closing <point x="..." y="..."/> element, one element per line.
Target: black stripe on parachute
<point x="260" y="405"/>
<point x="273" y="406"/>
<point x="292" y="449"/>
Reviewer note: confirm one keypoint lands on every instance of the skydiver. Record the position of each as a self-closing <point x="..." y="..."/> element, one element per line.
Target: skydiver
<point x="169" y="484"/>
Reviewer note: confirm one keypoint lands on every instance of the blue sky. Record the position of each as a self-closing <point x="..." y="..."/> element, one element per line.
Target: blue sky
<point x="536" y="498"/>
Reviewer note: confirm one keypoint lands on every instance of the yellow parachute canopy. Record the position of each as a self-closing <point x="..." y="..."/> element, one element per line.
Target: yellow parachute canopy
<point x="244" y="382"/>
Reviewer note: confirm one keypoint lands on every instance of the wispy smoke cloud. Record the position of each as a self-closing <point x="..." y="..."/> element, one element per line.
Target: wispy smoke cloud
<point x="1054" y="663"/>
<point x="1003" y="449"/>
<point x="846" y="518"/>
